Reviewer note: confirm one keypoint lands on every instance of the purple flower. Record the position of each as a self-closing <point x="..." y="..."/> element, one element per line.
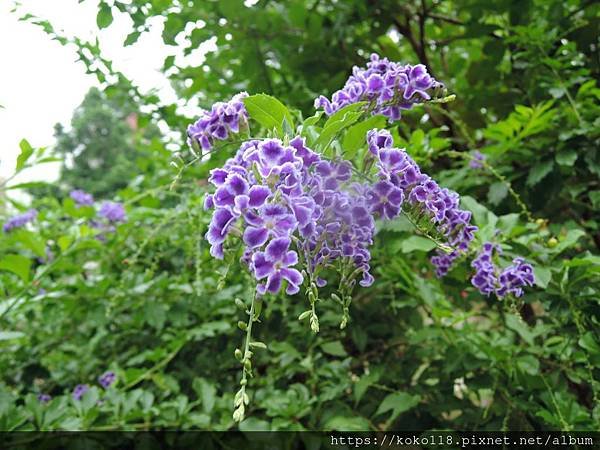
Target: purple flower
<point x="79" y="391"/>
<point x="387" y="86"/>
<point x="485" y="278"/>
<point x="514" y="278"/>
<point x="44" y="398"/>
<point x="488" y="278"/>
<point x="476" y="162"/>
<point x="107" y="379"/>
<point x="379" y="139"/>
<point x="386" y="199"/>
<point x="274" y="264"/>
<point x="20" y="220"/>
<point x="113" y="212"/>
<point x="82" y="198"/>
<point x="223" y="119"/>
<point x="271" y="221"/>
<point x="220" y="223"/>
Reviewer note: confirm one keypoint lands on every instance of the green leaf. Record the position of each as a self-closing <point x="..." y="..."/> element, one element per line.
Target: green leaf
<point x="26" y="152"/>
<point x="543" y="275"/>
<point x="27" y="185"/>
<point x="528" y="364"/>
<point x="356" y="136"/>
<point x="207" y="393"/>
<point x="417" y="243"/>
<point x="364" y="383"/>
<point x="588" y="342"/>
<point x="539" y="171"/>
<point x="8" y="335"/>
<point x="17" y="264"/>
<point x="515" y="323"/>
<point x="132" y="38"/>
<point x="310" y="121"/>
<point x="334" y="348"/>
<point x="398" y="403"/>
<point x="344" y="423"/>
<point x="104" y="17"/>
<point x="155" y="314"/>
<point x="566" y="157"/>
<point x="32" y="241"/>
<point x="337" y="122"/>
<point x="268" y="111"/>
<point x="497" y="192"/>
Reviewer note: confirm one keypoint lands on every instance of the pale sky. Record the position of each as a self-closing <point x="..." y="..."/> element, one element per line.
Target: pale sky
<point x="41" y="82"/>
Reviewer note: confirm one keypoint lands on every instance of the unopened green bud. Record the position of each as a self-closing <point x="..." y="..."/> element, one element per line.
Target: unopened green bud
<point x="242" y="325"/>
<point x="240" y="304"/>
<point x="552" y="242"/>
<point x="238" y="354"/>
<point x="304" y="315"/>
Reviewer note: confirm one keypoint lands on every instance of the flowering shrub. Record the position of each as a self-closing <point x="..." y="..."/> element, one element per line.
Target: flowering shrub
<point x="301" y="218"/>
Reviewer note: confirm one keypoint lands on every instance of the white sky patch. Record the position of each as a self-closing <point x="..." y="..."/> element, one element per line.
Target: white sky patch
<point x="41" y="81"/>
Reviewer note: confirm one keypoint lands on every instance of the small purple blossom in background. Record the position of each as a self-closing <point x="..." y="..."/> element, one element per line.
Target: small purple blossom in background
<point x="79" y="391"/>
<point x="20" y="220"/>
<point x="82" y="198"/>
<point x="387" y="86"/>
<point x="113" y="212"/>
<point x="223" y="119"/>
<point x="107" y="379"/>
<point x="44" y="398"/>
<point x="476" y="162"/>
<point x="489" y="279"/>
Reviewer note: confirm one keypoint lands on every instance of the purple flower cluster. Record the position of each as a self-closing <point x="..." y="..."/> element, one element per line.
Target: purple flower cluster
<point x="389" y="88"/>
<point x="401" y="179"/>
<point x="107" y="379"/>
<point x="44" y="398"/>
<point x="273" y="196"/>
<point x="113" y="212"/>
<point x="476" y="162"/>
<point x="79" y="391"/>
<point x="19" y="220"/>
<point x="223" y="118"/>
<point x="488" y="279"/>
<point x="82" y="198"/>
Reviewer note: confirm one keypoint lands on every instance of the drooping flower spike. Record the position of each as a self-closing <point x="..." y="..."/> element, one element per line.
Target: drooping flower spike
<point x="388" y="87"/>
